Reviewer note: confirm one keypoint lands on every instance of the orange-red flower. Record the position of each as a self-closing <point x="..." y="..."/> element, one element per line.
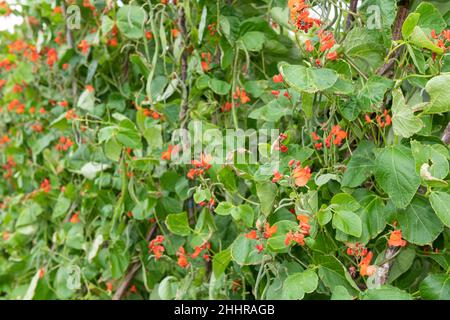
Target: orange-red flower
<point x="301" y="175"/>
<point x="332" y="55"/>
<point x="182" y="258"/>
<point x="278" y="78"/>
<point x="242" y="95"/>
<point x="46" y="186"/>
<point x="365" y="269"/>
<point x="156" y="246"/>
<point x="251" y="235"/>
<point x="269" y="230"/>
<point x="52" y="57"/>
<point x="297" y="237"/>
<point x="75" y="218"/>
<point x="276" y="176"/>
<point x="166" y="155"/>
<point x="83" y="46"/>
<point x="304" y="223"/>
<point x="395" y="239"/>
<point x="309" y="46"/>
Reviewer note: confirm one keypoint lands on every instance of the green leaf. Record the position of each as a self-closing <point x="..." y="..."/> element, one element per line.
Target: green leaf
<point x="220" y="262"/>
<point x="178" y="223"/>
<point x="435" y="287"/>
<point x="243" y="251"/>
<point x="296" y="285"/>
<point x="373" y="92"/>
<point x="386" y="292"/>
<point x="340" y="293"/>
<point x="61" y="207"/>
<point x="153" y="135"/>
<point x="430" y="18"/>
<point x="224" y="208"/>
<point x="128" y="135"/>
<point x="276" y="243"/>
<point x="437" y="88"/>
<point x="372" y="215"/>
<point x="310" y="80"/>
<point x="131" y="20"/>
<point x="348" y="222"/>
<point x="404" y="122"/>
<point x="246" y="214"/>
<point x="440" y="201"/>
<point x="324" y="215"/>
<point x="360" y="166"/>
<point x="387" y="10"/>
<point x="365" y="48"/>
<point x="253" y="40"/>
<point x="419" y="223"/>
<point x="113" y="149"/>
<point x="410" y="23"/>
<point x="266" y="193"/>
<point x="436" y="155"/>
<point x="333" y="273"/>
<point x="421" y="39"/>
<point x="167" y="289"/>
<point x="395" y="172"/>
<point x="402" y="263"/>
<point x="220" y="87"/>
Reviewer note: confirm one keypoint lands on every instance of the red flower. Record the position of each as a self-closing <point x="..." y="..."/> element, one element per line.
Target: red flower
<point x="251" y="235"/>
<point x="75" y="218"/>
<point x="259" y="247"/>
<point x="156" y="246"/>
<point x="276" y="176"/>
<point x="46" y="186"/>
<point x="83" y="46"/>
<point x="395" y="240"/>
<point x="52" y="57"/>
<point x="166" y="155"/>
<point x="365" y="269"/>
<point x="297" y="237"/>
<point x="278" y="78"/>
<point x="332" y="55"/>
<point x="205" y="66"/>
<point x="309" y="46"/>
<point x="301" y="176"/>
<point x="269" y="231"/>
<point x="182" y="258"/>
<point x="242" y="95"/>
<point x="315" y="136"/>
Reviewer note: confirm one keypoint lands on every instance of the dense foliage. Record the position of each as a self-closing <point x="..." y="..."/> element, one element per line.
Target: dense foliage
<point x="93" y="204"/>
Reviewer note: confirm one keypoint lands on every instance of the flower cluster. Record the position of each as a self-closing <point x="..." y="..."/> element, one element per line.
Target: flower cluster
<point x="259" y="235"/>
<point x="441" y="38"/>
<point x="155" y="246"/>
<point x="365" y="268"/>
<point x="395" y="239"/>
<point x="298" y="236"/>
<point x="8" y="167"/>
<point x="201" y="166"/>
<point x="171" y="149"/>
<point x="336" y="136"/>
<point x="383" y="120"/>
<point x="206" y="61"/>
<point x="279" y="146"/>
<point x="46" y="186"/>
<point x="357" y="249"/>
<point x="64" y="144"/>
<point x="300" y="15"/>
